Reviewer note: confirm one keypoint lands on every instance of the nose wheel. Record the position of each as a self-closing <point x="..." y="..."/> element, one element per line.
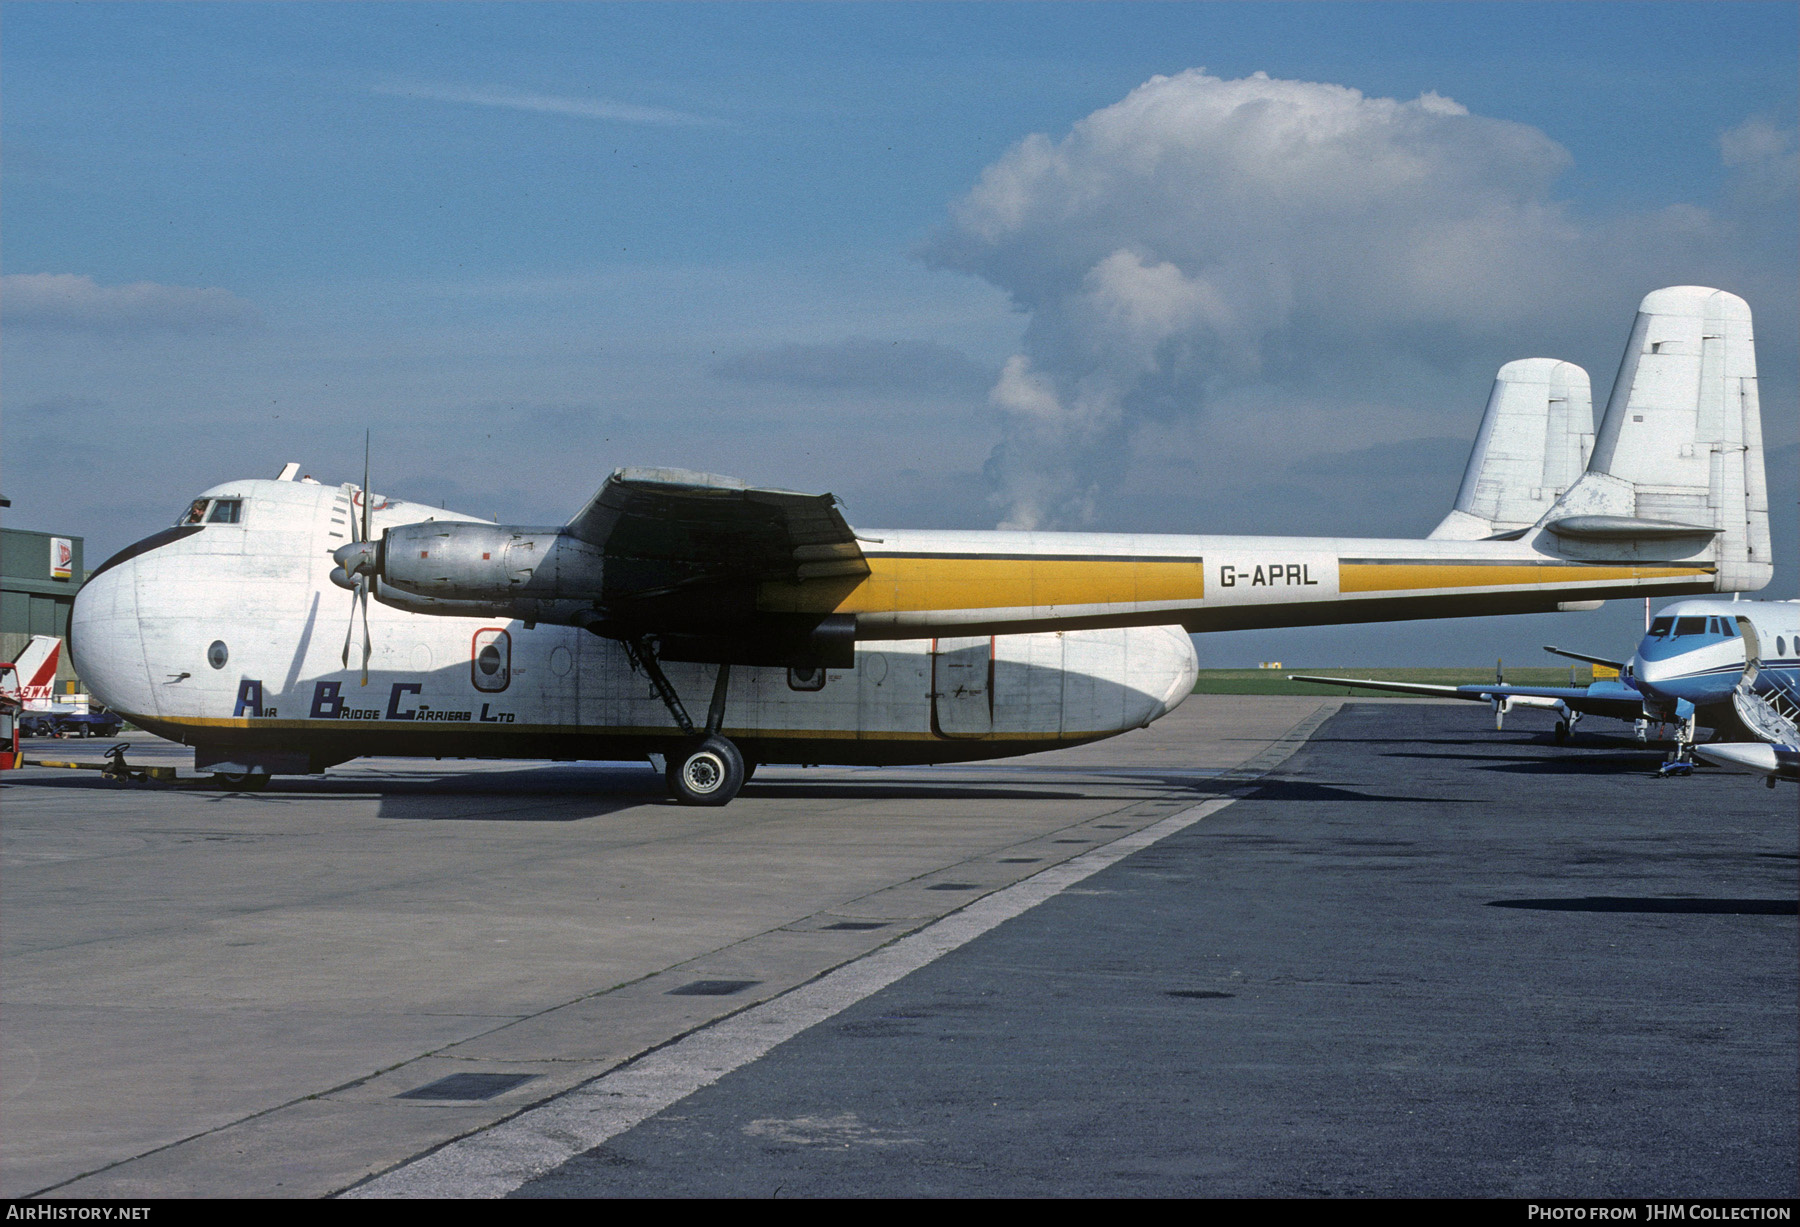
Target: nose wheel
<point x="709" y="773"/>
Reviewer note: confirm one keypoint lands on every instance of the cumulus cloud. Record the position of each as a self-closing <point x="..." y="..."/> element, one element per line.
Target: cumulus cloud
<point x="549" y="104"/>
<point x="1203" y="235"/>
<point x="863" y="364"/>
<point x="1764" y="160"/>
<point x="68" y="302"/>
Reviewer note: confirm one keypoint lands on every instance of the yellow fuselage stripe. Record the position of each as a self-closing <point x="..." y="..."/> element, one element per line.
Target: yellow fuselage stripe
<point x="905" y="585"/>
<point x="1401" y="577"/>
<point x="898" y="585"/>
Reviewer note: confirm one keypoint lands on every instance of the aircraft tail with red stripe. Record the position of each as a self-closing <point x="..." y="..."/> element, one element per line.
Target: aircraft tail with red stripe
<point x="32" y="676"/>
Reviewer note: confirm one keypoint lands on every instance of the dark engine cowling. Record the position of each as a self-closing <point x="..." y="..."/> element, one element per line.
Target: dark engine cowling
<point x="546" y="574"/>
<point x="490" y="562"/>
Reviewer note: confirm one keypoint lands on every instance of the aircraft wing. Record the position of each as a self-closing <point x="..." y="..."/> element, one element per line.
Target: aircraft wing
<point x="1600" y="699"/>
<point x="1437" y="692"/>
<point x="663" y="530"/>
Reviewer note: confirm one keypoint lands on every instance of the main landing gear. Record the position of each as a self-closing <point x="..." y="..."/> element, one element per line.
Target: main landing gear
<point x="1565" y="725"/>
<point x="709" y="769"/>
<point x="709" y="774"/>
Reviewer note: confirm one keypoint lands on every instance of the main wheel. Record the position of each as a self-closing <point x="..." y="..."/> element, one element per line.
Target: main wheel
<point x="1562" y="731"/>
<point x="240" y="781"/>
<point x="709" y="773"/>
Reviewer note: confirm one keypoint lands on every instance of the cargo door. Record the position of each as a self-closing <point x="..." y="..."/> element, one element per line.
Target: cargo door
<point x="962" y="687"/>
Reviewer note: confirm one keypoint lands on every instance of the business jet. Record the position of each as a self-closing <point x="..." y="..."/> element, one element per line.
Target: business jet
<point x="810" y="641"/>
<point x="1769" y="709"/>
<point x="1685" y="672"/>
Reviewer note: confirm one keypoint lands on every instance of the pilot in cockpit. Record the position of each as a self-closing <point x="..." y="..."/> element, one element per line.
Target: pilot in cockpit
<point x="224" y="511"/>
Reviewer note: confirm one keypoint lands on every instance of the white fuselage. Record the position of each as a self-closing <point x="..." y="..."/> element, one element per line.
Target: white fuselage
<point x="1695" y="651"/>
<point x="230" y="636"/>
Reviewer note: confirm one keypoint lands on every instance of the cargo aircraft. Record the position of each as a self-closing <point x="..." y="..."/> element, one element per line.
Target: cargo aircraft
<point x="713" y="625"/>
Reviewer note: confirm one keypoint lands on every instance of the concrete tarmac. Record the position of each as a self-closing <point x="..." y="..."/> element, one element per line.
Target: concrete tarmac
<point x="219" y="994"/>
<point x="1422" y="959"/>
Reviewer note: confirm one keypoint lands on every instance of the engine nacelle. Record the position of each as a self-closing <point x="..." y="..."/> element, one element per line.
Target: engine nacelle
<point x="489" y="562"/>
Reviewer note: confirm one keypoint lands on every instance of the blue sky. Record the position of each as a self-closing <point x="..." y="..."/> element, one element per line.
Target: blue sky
<point x="527" y="243"/>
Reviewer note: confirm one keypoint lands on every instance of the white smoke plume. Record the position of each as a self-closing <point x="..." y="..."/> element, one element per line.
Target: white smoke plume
<point x="1202" y="234"/>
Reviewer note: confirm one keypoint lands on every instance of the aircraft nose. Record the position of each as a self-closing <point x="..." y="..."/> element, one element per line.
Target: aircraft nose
<point x="1651" y="672"/>
<point x="105" y="639"/>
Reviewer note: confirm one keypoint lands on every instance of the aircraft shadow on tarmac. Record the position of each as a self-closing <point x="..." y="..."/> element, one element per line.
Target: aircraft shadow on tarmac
<point x="574" y="793"/>
<point x="800" y="790"/>
<point x="1695" y="907"/>
<point x="1301" y="790"/>
<point x="1566" y="764"/>
<point x="1584" y="743"/>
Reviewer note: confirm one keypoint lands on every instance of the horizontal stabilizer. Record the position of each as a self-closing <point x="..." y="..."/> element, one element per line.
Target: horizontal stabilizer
<point x="1592" y="660"/>
<point x="1625" y="528"/>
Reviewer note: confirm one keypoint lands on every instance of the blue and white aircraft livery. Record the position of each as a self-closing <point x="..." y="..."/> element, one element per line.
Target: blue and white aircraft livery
<point x="1686" y="671"/>
<point x="798" y="639"/>
<point x="1768" y="705"/>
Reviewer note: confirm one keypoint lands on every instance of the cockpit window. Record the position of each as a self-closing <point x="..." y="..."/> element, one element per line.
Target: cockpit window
<point x="226" y="511"/>
<point x="1728" y="628"/>
<point x="195" y="513"/>
<point x="1660" y="628"/>
<point x="1689" y="626"/>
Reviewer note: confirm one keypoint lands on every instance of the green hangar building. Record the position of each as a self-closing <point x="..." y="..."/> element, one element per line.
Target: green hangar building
<point x="39" y="576"/>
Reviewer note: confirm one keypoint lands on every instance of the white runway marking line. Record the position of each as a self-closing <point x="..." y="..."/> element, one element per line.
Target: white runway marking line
<point x="496" y="1161"/>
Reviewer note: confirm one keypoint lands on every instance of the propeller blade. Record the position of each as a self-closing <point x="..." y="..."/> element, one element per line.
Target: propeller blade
<point x="350" y="629"/>
<point x="365" y="522"/>
<point x="363" y="598"/>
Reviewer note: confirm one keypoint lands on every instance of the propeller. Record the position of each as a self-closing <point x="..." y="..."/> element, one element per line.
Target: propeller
<point x="357" y="565"/>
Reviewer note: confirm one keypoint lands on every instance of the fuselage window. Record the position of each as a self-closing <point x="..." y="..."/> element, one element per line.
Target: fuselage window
<point x="226" y="511"/>
<point x="1689" y="626"/>
<point x="1780" y="646"/>
<point x="806" y="679"/>
<point x="195" y="513"/>
<point x="1659" y="629"/>
<point x="490" y="660"/>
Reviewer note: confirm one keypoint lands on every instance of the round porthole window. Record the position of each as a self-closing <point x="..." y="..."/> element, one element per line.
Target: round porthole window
<point x="217" y="655"/>
<point x="488" y="660"/>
